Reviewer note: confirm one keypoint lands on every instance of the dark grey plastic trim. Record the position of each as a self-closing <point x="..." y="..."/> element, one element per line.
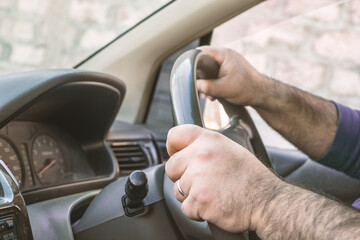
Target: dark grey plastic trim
<point x="21" y="89"/>
<point x="105" y="217"/>
<point x="51" y="219"/>
<point x="107" y="205"/>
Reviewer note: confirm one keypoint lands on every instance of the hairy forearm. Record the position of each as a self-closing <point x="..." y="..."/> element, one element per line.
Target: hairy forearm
<point x="295" y="213"/>
<point x="309" y="122"/>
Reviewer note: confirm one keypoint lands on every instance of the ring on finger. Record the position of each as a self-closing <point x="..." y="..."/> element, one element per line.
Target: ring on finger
<point x="180" y="190"/>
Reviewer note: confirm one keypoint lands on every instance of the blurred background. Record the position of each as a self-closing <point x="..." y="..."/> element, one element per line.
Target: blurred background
<point x="61" y="33"/>
<point x="313" y="45"/>
<point x="310" y="44"/>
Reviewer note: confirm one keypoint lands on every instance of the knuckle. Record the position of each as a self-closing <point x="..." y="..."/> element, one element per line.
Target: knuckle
<point x="205" y="87"/>
<point x="205" y="155"/>
<point x="171" y="134"/>
<point x="185" y="208"/>
<point x="200" y="171"/>
<point x="189" y="209"/>
<point x="215" y="135"/>
<point x="170" y="167"/>
<point x="209" y="150"/>
<point x="203" y="197"/>
<point x="211" y="135"/>
<point x="231" y="52"/>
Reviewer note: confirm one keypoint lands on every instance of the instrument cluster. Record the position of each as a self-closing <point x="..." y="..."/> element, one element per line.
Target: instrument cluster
<point x="39" y="155"/>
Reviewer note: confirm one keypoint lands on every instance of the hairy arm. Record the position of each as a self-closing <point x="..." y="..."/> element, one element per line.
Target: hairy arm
<point x="295" y="213"/>
<point x="308" y="121"/>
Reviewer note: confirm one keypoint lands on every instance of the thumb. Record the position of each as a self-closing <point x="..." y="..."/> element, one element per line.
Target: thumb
<point x="180" y="137"/>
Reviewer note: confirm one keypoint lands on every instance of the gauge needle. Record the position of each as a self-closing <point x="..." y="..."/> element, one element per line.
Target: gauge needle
<point x="47" y="166"/>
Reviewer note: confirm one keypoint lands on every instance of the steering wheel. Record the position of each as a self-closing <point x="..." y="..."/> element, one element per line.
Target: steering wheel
<point x="186" y="110"/>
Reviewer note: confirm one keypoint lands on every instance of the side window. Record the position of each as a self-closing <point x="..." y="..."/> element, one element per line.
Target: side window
<point x="159" y="117"/>
<point x="313" y="45"/>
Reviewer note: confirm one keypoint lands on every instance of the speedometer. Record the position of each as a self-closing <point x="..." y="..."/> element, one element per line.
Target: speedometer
<point x="11" y="158"/>
<point x="48" y="159"/>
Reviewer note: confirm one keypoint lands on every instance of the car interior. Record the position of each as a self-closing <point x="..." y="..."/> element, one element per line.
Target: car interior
<point x="73" y="140"/>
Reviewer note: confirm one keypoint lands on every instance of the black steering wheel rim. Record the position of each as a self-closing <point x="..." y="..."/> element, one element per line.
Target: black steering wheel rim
<point x="183" y="91"/>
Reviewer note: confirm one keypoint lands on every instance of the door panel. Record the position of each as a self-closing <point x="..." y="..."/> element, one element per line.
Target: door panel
<point x="297" y="168"/>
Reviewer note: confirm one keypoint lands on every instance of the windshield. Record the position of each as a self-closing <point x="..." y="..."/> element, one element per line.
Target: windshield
<point x="59" y="34"/>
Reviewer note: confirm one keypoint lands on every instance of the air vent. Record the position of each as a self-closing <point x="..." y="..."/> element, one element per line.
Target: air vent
<point x="131" y="156"/>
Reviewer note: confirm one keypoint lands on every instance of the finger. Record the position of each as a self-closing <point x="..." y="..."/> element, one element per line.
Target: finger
<point x="184" y="183"/>
<point x="190" y="208"/>
<point x="178" y="163"/>
<point x="209" y="86"/>
<point x="179" y="191"/>
<point x="176" y="166"/>
<point x="182" y="136"/>
<point x="217" y="53"/>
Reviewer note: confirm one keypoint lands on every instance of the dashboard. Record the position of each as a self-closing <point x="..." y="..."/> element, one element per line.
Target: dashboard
<point x="40" y="155"/>
<point x="53" y="128"/>
<point x="59" y="138"/>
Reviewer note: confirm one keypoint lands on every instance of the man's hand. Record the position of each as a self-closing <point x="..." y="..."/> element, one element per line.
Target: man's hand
<point x="309" y="122"/>
<point x="238" y="82"/>
<point x="224" y="183"/>
<point x="227" y="186"/>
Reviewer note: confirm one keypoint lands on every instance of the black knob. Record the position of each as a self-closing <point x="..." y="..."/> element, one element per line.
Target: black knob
<point x="136" y="188"/>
